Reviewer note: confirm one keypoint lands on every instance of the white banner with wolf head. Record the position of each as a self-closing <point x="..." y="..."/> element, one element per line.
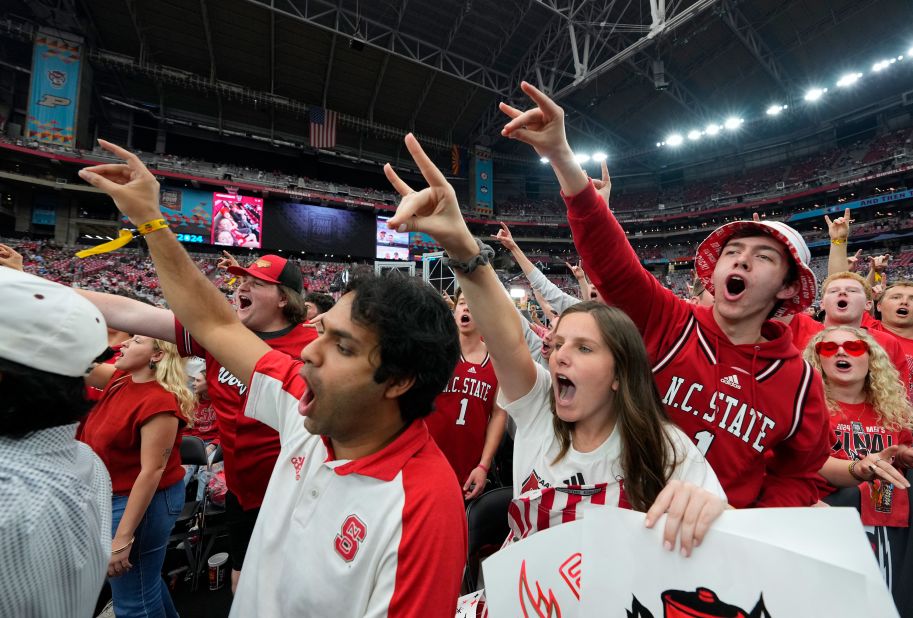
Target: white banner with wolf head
<point x="770" y="563"/>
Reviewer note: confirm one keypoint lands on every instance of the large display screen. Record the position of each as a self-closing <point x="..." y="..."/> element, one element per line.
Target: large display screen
<point x="391" y="245"/>
<point x="188" y="212"/>
<point x="317" y="229"/>
<point x="236" y="220"/>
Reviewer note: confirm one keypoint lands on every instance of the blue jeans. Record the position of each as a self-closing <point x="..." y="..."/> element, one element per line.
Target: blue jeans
<point x="141" y="592"/>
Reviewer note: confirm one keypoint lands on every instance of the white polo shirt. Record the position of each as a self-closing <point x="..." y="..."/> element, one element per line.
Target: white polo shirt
<point x="382" y="535"/>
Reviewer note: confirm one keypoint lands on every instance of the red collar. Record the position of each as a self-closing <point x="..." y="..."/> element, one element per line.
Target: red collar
<point x="386" y="463"/>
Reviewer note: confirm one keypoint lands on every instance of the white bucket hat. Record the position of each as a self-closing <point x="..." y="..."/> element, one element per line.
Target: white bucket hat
<point x="710" y="249"/>
<point x="48" y="326"/>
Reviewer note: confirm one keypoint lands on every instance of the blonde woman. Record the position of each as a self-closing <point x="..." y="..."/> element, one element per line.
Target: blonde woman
<point x="134" y="430"/>
<point x="870" y="414"/>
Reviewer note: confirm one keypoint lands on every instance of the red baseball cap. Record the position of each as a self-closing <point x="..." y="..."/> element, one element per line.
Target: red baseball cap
<point x="272" y="269"/>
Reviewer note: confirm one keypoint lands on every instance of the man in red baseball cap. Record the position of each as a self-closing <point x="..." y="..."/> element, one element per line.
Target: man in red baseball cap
<point x="730" y="376"/>
<point x="268" y="301"/>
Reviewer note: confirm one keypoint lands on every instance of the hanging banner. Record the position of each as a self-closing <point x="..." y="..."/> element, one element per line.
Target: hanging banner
<point x="483" y="181"/>
<point x="54" y="90"/>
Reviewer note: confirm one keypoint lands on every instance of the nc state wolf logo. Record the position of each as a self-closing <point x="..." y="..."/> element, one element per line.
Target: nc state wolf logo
<point x="702" y="603"/>
<point x="297" y="462"/>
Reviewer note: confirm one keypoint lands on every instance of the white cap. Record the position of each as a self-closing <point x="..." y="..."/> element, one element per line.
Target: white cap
<point x="48" y="326"/>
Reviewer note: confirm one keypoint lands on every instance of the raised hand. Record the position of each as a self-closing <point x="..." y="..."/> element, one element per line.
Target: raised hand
<point x="853" y="261"/>
<point x="133" y="188"/>
<point x="879" y="263"/>
<point x="505" y="237"/>
<point x="433" y="210"/>
<point x="542" y="127"/>
<point x="226" y="261"/>
<point x="604" y="185"/>
<point x="839" y="228"/>
<point x="576" y="270"/>
<point x="10" y="258"/>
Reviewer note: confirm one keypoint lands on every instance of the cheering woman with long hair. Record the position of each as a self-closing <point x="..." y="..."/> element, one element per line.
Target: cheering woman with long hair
<point x="870" y="414"/>
<point x="593" y="421"/>
<point x="134" y="429"/>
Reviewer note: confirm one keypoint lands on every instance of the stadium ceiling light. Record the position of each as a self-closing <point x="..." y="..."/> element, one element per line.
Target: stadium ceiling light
<point x="712" y="129"/>
<point x="582" y="158"/>
<point x="774" y="110"/>
<point x="910" y="52"/>
<point x="675" y="139"/>
<point x="848" y="80"/>
<point x="599" y="157"/>
<point x="733" y="123"/>
<point x="543" y="160"/>
<point x="694" y="135"/>
<point x="814" y="94"/>
<point x="880" y="66"/>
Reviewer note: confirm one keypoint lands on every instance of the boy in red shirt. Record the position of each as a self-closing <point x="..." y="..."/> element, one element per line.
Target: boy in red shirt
<point x="730" y="377"/>
<point x="467" y="423"/>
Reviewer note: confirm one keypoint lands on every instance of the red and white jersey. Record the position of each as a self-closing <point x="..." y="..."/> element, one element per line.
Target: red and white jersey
<point x="461" y="414"/>
<point x="755" y="410"/>
<point x="382" y="535"/>
<point x="535" y="449"/>
<point x="257" y="443"/>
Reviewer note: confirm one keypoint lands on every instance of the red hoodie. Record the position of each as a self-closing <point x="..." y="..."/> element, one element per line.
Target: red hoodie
<point x="756" y="411"/>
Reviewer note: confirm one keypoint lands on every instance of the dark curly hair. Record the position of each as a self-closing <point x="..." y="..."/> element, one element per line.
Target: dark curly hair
<point x="31" y="400"/>
<point x="416" y="334"/>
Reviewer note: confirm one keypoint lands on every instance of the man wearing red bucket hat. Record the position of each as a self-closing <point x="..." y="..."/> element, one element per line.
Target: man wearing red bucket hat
<point x="268" y="302"/>
<point x="730" y="377"/>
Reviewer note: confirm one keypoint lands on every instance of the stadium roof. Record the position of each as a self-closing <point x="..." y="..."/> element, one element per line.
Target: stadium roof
<point x="440" y="67"/>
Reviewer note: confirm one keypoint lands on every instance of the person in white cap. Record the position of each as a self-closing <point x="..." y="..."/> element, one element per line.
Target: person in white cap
<point x="730" y="377"/>
<point x="55" y="494"/>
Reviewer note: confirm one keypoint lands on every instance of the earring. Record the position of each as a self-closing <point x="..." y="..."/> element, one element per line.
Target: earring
<point x="152" y="365"/>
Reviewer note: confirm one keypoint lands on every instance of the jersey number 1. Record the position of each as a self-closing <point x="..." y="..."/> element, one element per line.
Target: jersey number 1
<point x="704" y="439"/>
<point x="464" y="402"/>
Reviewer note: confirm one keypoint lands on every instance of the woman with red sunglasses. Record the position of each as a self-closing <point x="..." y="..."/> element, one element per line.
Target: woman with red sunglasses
<point x="870" y="414"/>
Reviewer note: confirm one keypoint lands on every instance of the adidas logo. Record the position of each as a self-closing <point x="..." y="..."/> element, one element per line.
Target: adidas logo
<point x="732" y="381"/>
<point x="471" y="370"/>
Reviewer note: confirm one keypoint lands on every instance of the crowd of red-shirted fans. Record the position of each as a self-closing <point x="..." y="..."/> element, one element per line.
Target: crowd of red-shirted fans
<point x="317" y="360"/>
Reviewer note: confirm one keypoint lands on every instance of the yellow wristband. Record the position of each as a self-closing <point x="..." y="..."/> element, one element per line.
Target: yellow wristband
<point x="838" y="241"/>
<point x="151" y="226"/>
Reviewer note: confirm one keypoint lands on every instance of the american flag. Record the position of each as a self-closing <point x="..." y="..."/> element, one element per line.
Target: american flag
<point x="323" y="128"/>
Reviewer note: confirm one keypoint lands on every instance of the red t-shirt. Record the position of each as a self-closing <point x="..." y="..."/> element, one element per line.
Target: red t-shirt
<point x="249" y="447"/>
<point x="906" y="345"/>
<point x="859" y="431"/>
<point x="112" y="429"/>
<point x="461" y="413"/>
<point x="204" y="422"/>
<point x="803" y="328"/>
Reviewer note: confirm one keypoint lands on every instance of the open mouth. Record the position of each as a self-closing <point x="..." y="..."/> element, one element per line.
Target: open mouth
<point x="903" y="311"/>
<point x="842" y="304"/>
<point x="465" y="318"/>
<point x="243" y="301"/>
<point x="304" y="405"/>
<point x="735" y="285"/>
<point x="566" y="389"/>
<point x="843" y="364"/>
